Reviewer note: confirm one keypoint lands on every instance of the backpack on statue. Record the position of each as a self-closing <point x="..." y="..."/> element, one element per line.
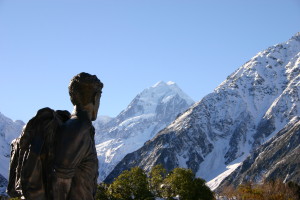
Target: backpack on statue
<point x="32" y="156"/>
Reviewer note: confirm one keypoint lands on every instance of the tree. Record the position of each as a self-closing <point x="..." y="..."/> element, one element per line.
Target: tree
<point x="156" y="178"/>
<point x="182" y="182"/>
<point x="131" y="184"/>
<point x="201" y="190"/>
<point x="102" y="192"/>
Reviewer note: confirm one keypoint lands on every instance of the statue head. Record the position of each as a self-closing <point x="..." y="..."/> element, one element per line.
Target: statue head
<point x="85" y="91"/>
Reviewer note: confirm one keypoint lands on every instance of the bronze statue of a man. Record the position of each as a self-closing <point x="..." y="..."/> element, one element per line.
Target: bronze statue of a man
<point x="75" y="168"/>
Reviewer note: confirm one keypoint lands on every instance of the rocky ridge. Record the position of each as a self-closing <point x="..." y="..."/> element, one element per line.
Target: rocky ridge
<point x="276" y="159"/>
<point x="246" y="110"/>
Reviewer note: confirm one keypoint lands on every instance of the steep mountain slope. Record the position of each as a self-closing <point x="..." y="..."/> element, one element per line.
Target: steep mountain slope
<point x="150" y="111"/>
<point x="9" y="130"/>
<point x="252" y="104"/>
<point x="3" y="185"/>
<point x="276" y="159"/>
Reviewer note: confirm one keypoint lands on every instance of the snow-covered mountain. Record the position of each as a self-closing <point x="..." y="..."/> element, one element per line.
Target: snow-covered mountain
<point x="244" y="111"/>
<point x="9" y="130"/>
<point x="149" y="112"/>
<point x="276" y="159"/>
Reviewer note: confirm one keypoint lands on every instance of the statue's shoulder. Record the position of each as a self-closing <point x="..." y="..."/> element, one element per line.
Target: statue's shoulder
<point x="75" y="128"/>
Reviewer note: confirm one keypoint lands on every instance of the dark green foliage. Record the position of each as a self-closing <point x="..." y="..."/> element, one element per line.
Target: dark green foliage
<point x="131" y="184"/>
<point x="156" y="178"/>
<point x="201" y="190"/>
<point x="134" y="184"/>
<point x="182" y="182"/>
<point x="102" y="192"/>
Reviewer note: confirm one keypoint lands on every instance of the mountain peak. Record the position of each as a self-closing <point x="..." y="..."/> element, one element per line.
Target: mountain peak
<point x="296" y="36"/>
<point x="163" y="84"/>
<point x="153" y="97"/>
<point x="171" y="83"/>
<point x="149" y="112"/>
<point x="159" y="84"/>
<point x="159" y="91"/>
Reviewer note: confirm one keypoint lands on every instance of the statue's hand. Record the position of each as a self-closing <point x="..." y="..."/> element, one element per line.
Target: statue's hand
<point x="61" y="188"/>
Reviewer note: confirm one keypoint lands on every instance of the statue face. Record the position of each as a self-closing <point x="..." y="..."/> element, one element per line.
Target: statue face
<point x="96" y="106"/>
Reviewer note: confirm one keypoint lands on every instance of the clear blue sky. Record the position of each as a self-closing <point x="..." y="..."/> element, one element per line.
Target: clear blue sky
<point x="130" y="45"/>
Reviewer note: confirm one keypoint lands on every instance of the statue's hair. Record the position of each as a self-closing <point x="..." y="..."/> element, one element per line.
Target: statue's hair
<point x="83" y="88"/>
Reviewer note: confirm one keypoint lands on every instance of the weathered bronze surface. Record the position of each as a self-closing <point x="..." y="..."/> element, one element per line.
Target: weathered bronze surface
<point x="75" y="169"/>
<point x="55" y="156"/>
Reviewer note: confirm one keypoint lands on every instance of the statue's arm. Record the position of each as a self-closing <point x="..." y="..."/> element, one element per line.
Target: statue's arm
<point x="69" y="151"/>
